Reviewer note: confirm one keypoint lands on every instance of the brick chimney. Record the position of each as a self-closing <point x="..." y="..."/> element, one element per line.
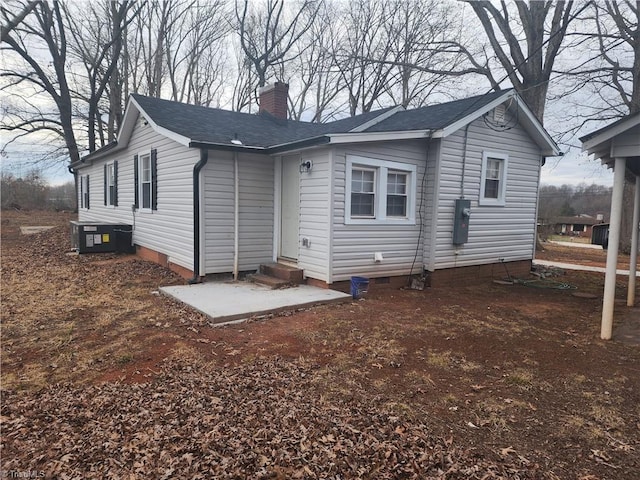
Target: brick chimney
<point x="273" y="99"/>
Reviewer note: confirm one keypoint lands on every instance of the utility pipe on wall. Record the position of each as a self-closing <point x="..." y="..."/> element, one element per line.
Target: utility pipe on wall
<point x="236" y="215"/>
<point x="464" y="159"/>
<point x="612" y="252"/>
<point x="633" y="260"/>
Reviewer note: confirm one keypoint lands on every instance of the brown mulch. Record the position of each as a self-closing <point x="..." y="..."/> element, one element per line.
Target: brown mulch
<point x="104" y="378"/>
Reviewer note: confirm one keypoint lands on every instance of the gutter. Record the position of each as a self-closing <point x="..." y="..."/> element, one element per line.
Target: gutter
<point x="308" y="142"/>
<point x="204" y="158"/>
<point x="236" y="216"/>
<point x="96" y="154"/>
<point x="225" y="147"/>
<point x="283" y="147"/>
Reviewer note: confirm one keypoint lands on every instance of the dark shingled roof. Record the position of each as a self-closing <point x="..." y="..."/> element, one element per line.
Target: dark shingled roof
<point x="435" y="117"/>
<point x="216" y="126"/>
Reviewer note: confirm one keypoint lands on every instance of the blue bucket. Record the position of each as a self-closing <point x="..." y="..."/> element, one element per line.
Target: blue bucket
<point x="359" y="286"/>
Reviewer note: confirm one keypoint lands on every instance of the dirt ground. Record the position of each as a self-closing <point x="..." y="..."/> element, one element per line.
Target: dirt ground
<point x="580" y="256"/>
<point x="104" y="378"/>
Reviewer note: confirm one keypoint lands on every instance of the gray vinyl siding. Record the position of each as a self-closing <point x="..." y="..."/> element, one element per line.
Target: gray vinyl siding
<point x="255" y="215"/>
<point x="495" y="232"/>
<point x="354" y="245"/>
<point x="169" y="229"/>
<point x="314" y="221"/>
<point x="218" y="212"/>
<point x="430" y="199"/>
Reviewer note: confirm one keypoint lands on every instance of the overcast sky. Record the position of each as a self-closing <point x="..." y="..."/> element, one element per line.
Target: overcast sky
<point x="573" y="168"/>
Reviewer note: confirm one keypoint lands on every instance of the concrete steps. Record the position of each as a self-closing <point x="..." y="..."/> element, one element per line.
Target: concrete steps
<point x="277" y="275"/>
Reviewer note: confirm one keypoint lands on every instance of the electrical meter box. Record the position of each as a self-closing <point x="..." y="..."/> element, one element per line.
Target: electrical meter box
<point x="461" y="221"/>
<point x="98" y="237"/>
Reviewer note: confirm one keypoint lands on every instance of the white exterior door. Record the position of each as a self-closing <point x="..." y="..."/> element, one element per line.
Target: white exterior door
<point x="290" y="206"/>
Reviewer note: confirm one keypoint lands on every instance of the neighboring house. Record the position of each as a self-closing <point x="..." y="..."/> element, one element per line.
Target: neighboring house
<point x="580" y="225"/>
<point x="211" y="191"/>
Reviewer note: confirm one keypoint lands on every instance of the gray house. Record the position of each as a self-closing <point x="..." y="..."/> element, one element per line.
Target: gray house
<point x="447" y="190"/>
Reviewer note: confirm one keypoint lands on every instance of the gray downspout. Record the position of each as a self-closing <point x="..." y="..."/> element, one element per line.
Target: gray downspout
<point x="204" y="157"/>
<point x="236" y="216"/>
<point x="75" y="186"/>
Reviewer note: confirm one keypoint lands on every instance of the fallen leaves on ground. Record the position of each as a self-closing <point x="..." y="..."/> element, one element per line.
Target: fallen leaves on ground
<point x="259" y="420"/>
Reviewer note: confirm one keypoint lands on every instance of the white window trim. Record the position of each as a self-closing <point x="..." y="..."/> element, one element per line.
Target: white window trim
<point x="501" y="200"/>
<point x="110" y="203"/>
<point x="382" y="167"/>
<point x="139" y="186"/>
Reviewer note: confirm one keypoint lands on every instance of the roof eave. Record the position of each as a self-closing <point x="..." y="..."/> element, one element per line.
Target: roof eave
<point x="130" y="123"/>
<point x="299" y="144"/>
<point x="547" y="145"/>
<point x="97" y="154"/>
<point x="356" y="137"/>
<point x="224" y="146"/>
<point x="591" y="142"/>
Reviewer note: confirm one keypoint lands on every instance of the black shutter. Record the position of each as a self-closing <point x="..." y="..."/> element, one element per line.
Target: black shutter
<point x="106" y="183"/>
<point x="88" y="196"/>
<point x="115" y="183"/>
<point x="136" y="186"/>
<point x="154" y="179"/>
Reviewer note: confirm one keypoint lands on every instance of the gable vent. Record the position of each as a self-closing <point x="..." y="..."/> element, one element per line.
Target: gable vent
<point x="499" y="113"/>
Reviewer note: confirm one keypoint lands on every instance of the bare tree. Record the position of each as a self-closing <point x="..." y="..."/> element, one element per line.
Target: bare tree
<point x="311" y="75"/>
<point x="523" y="44"/>
<point x="245" y="81"/>
<point x="35" y="75"/>
<point x="604" y="77"/>
<point x="362" y="53"/>
<point x="194" y="50"/>
<point x="13" y="21"/>
<point x="418" y="31"/>
<point x="609" y="67"/>
<point x="624" y="76"/>
<point x="267" y="35"/>
<point x="146" y="49"/>
<point x="96" y="33"/>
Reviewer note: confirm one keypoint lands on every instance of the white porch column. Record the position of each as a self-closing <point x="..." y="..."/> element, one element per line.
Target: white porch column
<point x="612" y="252"/>
<point x="633" y="261"/>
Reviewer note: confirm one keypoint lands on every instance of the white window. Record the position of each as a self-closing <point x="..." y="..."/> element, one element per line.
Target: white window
<point x="494" y="178"/>
<point x="145" y="181"/>
<point x="363" y="193"/>
<point x="379" y="191"/>
<point x="110" y="184"/>
<point x="397" y="194"/>
<point x="84" y="191"/>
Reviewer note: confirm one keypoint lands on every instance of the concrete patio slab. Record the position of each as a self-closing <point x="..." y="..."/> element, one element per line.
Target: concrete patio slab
<point x="229" y="301"/>
<point x="35" y="229"/>
<point x="576" y="244"/>
<point x="584" y="268"/>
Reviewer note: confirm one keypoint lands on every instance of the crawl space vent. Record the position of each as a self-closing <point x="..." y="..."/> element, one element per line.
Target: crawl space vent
<point x="498" y="113"/>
